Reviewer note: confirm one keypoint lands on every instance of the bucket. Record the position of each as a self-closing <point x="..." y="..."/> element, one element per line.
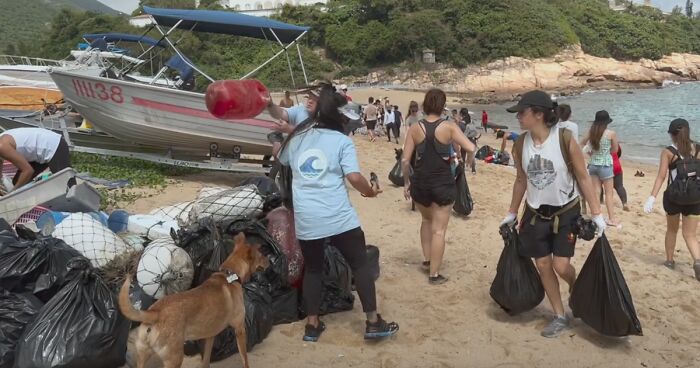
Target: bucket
<point x="48" y="220"/>
<point x="118" y="221"/>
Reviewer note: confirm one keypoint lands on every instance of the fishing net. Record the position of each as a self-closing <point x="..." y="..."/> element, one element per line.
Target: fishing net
<point x="91" y="238"/>
<point x="210" y="191"/>
<point x="164" y="269"/>
<point x="241" y="202"/>
<point x="178" y="212"/>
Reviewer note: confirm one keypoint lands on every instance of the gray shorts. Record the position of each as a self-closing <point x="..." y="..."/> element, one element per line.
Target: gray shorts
<point x="602" y="172"/>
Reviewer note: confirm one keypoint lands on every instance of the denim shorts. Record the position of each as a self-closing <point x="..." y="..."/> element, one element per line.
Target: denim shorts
<point x="602" y="172"/>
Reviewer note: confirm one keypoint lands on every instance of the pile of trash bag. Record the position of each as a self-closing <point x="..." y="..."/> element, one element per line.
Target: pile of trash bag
<point x="517" y="287"/>
<point x="16" y="311"/>
<point x="601" y="297"/>
<point x="336" y="295"/>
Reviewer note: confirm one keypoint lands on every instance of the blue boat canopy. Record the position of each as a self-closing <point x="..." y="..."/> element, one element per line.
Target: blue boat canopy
<point x="231" y="23"/>
<point x="117" y="37"/>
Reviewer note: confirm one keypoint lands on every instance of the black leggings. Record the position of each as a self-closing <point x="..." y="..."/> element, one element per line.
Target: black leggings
<point x="619" y="188"/>
<point x="59" y="161"/>
<point x="351" y="245"/>
<point x="393" y="128"/>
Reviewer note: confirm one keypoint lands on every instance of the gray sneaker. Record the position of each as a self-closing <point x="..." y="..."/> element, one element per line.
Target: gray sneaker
<point x="556" y="327"/>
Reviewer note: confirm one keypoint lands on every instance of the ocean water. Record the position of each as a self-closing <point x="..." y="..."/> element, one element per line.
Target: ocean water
<point x="640" y="117"/>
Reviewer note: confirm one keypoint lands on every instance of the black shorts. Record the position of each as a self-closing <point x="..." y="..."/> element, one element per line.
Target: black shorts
<point x="539" y="240"/>
<point x="425" y="195"/>
<point x="371" y="124"/>
<point x="59" y="161"/>
<point x="673" y="209"/>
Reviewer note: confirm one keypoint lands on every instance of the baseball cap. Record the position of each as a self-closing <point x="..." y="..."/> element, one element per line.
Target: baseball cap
<point x="602" y="116"/>
<point x="677" y="125"/>
<point x="533" y="98"/>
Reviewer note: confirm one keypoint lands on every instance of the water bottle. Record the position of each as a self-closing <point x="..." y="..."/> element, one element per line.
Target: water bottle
<point x="237" y="99"/>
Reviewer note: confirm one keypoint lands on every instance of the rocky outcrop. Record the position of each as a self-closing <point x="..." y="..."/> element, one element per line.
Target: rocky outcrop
<point x="572" y="69"/>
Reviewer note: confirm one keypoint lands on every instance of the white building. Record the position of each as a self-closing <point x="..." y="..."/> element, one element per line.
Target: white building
<point x="264" y="8"/>
<point x="141" y="20"/>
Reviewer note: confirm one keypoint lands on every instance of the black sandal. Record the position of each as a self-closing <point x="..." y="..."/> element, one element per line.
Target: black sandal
<point x="380" y="329"/>
<point x="312" y="333"/>
<point x="437" y="280"/>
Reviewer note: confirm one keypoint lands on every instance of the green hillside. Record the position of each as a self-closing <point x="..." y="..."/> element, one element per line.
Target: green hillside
<point x="23" y="21"/>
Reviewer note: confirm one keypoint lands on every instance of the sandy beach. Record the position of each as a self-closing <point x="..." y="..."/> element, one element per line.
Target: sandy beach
<point x="457" y="324"/>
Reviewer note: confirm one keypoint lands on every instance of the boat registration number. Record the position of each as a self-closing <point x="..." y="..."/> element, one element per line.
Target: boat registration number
<point x="98" y="90"/>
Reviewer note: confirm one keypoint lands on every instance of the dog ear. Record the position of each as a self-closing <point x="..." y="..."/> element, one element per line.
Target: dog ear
<point x="260" y="261"/>
<point x="239" y="240"/>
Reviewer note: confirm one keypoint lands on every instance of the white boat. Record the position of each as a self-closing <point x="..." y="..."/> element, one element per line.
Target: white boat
<point x="173" y="118"/>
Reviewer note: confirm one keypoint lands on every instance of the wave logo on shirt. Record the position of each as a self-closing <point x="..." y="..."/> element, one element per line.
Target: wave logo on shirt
<point x="312" y="164"/>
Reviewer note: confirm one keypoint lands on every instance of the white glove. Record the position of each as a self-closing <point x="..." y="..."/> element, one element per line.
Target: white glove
<point x="7" y="183"/>
<point x="649" y="206"/>
<point x="600" y="225"/>
<point x="509" y="219"/>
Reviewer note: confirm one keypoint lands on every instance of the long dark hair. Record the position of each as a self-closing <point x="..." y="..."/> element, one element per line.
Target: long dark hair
<point x="550" y="116"/>
<point x="683" y="142"/>
<point x="464" y="112"/>
<point x="564" y="111"/>
<point x="596" y="133"/>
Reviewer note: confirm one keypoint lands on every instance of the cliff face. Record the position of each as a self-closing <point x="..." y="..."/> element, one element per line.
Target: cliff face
<point x="570" y="70"/>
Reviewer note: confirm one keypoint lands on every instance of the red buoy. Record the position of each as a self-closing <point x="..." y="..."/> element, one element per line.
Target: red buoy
<point x="237" y="99"/>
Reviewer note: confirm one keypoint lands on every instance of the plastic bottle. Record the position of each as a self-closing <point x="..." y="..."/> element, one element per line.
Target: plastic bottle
<point x="237" y="99"/>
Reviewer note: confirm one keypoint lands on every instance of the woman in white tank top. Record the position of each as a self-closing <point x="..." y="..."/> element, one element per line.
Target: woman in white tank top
<point x="552" y="198"/>
<point x="33" y="150"/>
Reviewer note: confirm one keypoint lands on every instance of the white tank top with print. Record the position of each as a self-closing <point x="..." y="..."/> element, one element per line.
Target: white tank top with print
<point x="549" y="181"/>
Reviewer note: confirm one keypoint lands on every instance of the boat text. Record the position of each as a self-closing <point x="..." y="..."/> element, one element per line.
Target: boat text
<point x="98" y="90"/>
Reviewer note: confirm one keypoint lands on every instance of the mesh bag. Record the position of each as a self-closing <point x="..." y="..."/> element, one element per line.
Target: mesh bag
<point x="135" y="241"/>
<point x="91" y="238"/>
<point x="178" y="212"/>
<point x="151" y="226"/>
<point x="210" y="191"/>
<point x="241" y="202"/>
<point x="164" y="269"/>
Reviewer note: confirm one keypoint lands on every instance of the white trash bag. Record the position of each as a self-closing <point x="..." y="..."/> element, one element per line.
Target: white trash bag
<point x="150" y="226"/>
<point x="210" y="191"/>
<point x="91" y="238"/>
<point x="241" y="202"/>
<point x="178" y="212"/>
<point x="164" y="269"/>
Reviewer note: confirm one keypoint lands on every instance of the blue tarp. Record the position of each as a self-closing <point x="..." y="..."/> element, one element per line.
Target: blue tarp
<point x="117" y="37"/>
<point x="237" y="24"/>
<point x="177" y="63"/>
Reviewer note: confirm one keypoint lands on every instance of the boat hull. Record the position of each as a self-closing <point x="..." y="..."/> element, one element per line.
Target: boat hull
<point x="160" y="117"/>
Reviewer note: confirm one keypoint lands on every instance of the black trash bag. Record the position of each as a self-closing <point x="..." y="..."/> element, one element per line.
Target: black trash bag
<point x="464" y="203"/>
<point x="285" y="306"/>
<point x="256" y="234"/>
<point x="265" y="185"/>
<point x="38" y="267"/>
<point x="483" y="152"/>
<point x="517" y="287"/>
<point x="7" y="235"/>
<point x="16" y="311"/>
<point x="80" y="327"/>
<point x="198" y="240"/>
<point x="396" y="173"/>
<point x="259" y="317"/>
<point x="601" y="297"/>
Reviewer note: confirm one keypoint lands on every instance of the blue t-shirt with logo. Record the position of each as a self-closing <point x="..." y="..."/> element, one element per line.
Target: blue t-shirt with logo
<point x="320" y="159"/>
<point x="297" y="114"/>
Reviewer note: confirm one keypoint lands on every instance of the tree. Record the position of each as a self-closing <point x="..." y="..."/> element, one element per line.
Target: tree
<point x="689" y="8"/>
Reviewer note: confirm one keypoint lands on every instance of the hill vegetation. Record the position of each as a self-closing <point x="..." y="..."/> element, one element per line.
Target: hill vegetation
<point x="23" y="21"/>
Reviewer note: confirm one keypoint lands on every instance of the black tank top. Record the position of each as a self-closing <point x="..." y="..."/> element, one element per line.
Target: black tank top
<point x="432" y="157"/>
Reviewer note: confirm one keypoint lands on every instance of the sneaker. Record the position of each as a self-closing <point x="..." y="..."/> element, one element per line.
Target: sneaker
<point x="380" y="329"/>
<point x="671" y="265"/>
<point x="556" y="327"/>
<point x="437" y="280"/>
<point x="312" y="333"/>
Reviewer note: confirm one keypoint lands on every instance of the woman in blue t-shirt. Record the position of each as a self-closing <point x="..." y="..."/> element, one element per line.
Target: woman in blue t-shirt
<point x="321" y="157"/>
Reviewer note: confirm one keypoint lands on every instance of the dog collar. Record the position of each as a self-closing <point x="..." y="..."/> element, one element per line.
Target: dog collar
<point x="231" y="276"/>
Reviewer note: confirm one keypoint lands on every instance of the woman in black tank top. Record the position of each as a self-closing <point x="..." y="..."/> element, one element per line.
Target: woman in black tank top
<point x="432" y="185"/>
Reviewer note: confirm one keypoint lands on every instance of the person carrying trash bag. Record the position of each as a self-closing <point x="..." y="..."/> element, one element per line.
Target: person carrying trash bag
<point x="549" y="164"/>
<point x="600" y="296"/>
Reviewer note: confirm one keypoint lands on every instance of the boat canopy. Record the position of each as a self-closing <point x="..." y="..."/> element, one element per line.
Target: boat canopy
<point x="231" y="23"/>
<point x="117" y="37"/>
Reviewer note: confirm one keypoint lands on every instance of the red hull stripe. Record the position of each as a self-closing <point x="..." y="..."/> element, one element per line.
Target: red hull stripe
<point x="196" y="112"/>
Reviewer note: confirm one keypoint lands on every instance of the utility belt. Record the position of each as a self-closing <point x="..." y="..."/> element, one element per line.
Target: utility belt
<point x="551" y="213"/>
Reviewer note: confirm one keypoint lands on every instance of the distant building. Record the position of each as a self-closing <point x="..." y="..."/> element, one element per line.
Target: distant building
<point x="613" y="5"/>
<point x="429" y="56"/>
<point x="265" y="8"/>
<point x="141" y="20"/>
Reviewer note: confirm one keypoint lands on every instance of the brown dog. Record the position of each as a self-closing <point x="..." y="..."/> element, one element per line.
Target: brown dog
<point x="200" y="313"/>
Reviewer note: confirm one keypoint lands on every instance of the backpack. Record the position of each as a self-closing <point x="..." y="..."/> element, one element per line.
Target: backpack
<point x="565" y="138"/>
<point x="685" y="188"/>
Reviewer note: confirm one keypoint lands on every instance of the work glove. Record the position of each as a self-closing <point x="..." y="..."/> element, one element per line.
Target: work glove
<point x="509" y="220"/>
<point x="600" y="225"/>
<point x="649" y="206"/>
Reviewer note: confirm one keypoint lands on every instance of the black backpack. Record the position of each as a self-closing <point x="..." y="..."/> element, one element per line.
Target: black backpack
<point x="685" y="188"/>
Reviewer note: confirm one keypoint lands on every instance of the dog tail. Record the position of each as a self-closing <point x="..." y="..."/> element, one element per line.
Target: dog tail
<point x="128" y="310"/>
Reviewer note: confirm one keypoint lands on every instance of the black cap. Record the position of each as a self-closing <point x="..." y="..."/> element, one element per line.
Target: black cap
<point x="677" y="125"/>
<point x="603" y="117"/>
<point x="533" y="98"/>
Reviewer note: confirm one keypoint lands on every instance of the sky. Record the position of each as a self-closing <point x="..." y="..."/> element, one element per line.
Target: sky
<point x="127" y="6"/>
